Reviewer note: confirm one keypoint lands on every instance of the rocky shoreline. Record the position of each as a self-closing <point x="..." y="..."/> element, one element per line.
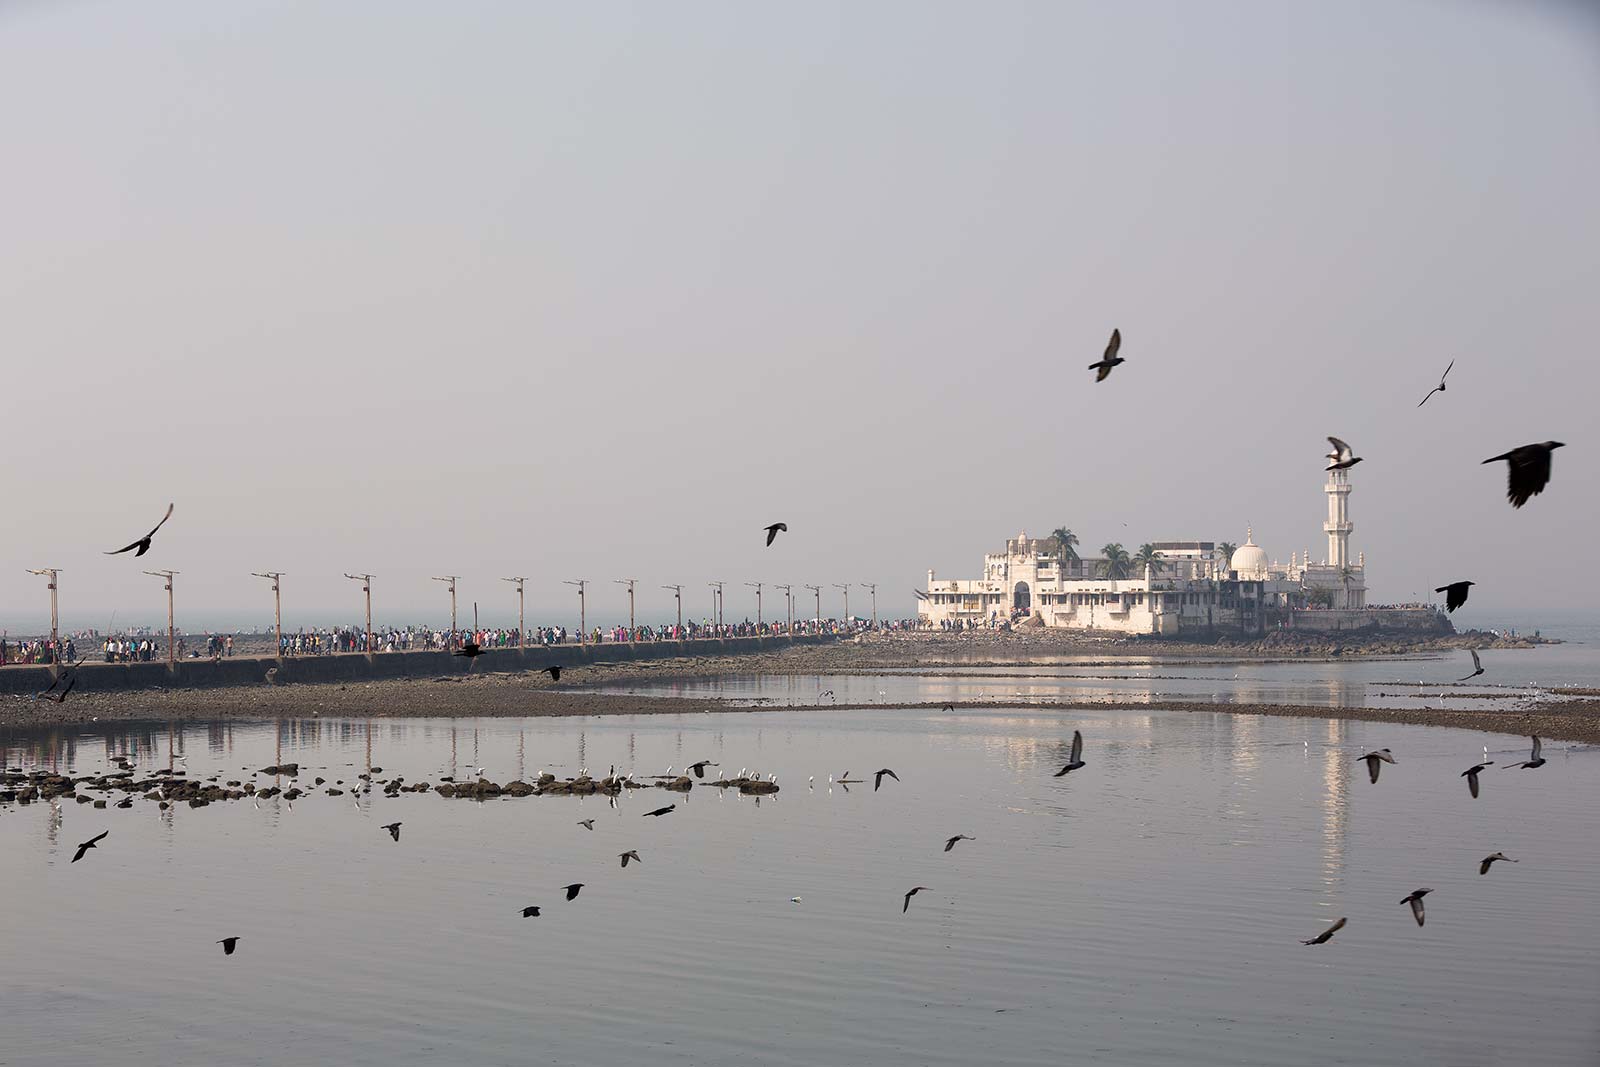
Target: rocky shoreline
<point x="1566" y="715"/>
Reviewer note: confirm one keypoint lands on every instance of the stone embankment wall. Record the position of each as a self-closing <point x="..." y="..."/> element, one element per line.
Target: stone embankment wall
<point x="352" y="667"/>
<point x="1388" y="620"/>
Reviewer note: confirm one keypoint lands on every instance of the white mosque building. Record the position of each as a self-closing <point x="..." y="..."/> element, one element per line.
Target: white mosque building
<point x="1189" y="589"/>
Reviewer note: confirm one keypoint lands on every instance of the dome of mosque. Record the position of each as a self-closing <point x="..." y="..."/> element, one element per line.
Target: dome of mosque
<point x="1249" y="559"/>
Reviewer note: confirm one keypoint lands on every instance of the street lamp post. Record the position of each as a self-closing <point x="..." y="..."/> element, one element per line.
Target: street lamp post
<point x="846" y="588"/>
<point x="817" y="589"/>
<point x="629" y="583"/>
<point x="55" y="618"/>
<point x="172" y="651"/>
<point x="716" y="605"/>
<point x="583" y="617"/>
<point x="366" y="587"/>
<point x="451" y="578"/>
<point x="874" y="587"/>
<point x="677" y="593"/>
<point x="757" y="587"/>
<point x="521" y="627"/>
<point x="788" y="599"/>
<point x="277" y="604"/>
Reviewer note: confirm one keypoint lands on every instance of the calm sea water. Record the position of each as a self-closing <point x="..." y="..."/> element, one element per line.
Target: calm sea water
<point x="1144" y="910"/>
<point x="1511" y="676"/>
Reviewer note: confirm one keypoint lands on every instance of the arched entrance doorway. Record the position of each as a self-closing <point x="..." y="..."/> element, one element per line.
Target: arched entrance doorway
<point x="1020" y="599"/>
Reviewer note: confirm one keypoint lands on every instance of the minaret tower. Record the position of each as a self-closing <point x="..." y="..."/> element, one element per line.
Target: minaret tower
<point x="1338" y="526"/>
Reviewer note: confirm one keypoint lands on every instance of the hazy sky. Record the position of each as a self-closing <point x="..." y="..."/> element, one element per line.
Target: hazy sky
<point x="598" y="290"/>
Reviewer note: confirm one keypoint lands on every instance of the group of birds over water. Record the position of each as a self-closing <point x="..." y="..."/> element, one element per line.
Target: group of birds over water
<point x="1375" y="761"/>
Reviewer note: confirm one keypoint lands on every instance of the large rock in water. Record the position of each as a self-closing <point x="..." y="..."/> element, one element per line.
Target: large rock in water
<point x="681" y="784"/>
<point x="758" y="786"/>
<point x="285" y="768"/>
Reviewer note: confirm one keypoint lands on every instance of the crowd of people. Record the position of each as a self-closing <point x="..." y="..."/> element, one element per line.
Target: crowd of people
<point x="145" y="645"/>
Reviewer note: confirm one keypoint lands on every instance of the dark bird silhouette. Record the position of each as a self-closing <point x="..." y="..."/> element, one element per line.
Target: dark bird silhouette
<point x="877" y="777"/>
<point x="587" y="824"/>
<point x="1110" y="359"/>
<point x="69" y="676"/>
<point x="1533" y="761"/>
<point x="1075" y="758"/>
<point x="950" y="844"/>
<point x="1471" y="775"/>
<point x="143" y="544"/>
<point x="631" y="854"/>
<point x="699" y="769"/>
<point x="468" y="649"/>
<point x="774" y="530"/>
<point x="228" y="945"/>
<point x="1455" y="594"/>
<point x="394" y="830"/>
<point x="920" y="594"/>
<point x="1376" y="760"/>
<point x="1477" y="665"/>
<point x="1529" y="470"/>
<point x="554" y="672"/>
<point x="532" y="910"/>
<point x="572" y="890"/>
<point x="660" y="811"/>
<point x="1488" y="861"/>
<point x="914" y="891"/>
<point x="1440" y="387"/>
<point x="1342" y="458"/>
<point x="87" y="845"/>
<point x="1415" y="900"/>
<point x="1329" y="932"/>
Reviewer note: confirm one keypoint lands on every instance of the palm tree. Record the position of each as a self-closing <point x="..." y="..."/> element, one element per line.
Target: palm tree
<point x="1065" y="539"/>
<point x="1227" y="548"/>
<point x="1116" y="562"/>
<point x="1148" y="556"/>
<point x="1345" y="574"/>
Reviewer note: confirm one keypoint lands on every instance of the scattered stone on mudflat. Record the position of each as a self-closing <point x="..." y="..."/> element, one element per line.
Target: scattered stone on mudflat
<point x="284" y="768"/>
<point x="99" y="803"/>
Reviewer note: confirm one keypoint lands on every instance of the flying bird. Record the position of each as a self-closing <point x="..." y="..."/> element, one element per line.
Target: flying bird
<point x="1075" y="759"/>
<point x="1532" y="762"/>
<point x="920" y="594"/>
<point x="1342" y="458"/>
<point x="1488" y="861"/>
<point x="572" y="890"/>
<point x="699" y="769"/>
<point x="532" y="911"/>
<point x="1477" y="665"/>
<point x="1440" y="387"/>
<point x="1110" y="359"/>
<point x="143" y="544"/>
<point x="660" y="811"/>
<point x="1529" y="470"/>
<point x="1329" y="932"/>
<point x="877" y="777"/>
<point x="1376" y="760"/>
<point x="87" y="845"/>
<point x="914" y="891"/>
<point x="228" y="945"/>
<point x="587" y="824"/>
<point x="631" y="854"/>
<point x="394" y="830"/>
<point x="554" y="672"/>
<point x="469" y="649"/>
<point x="69" y="675"/>
<point x="1455" y="594"/>
<point x="950" y="844"/>
<point x="774" y="530"/>
<point x="1415" y="900"/>
<point x="1471" y="775"/>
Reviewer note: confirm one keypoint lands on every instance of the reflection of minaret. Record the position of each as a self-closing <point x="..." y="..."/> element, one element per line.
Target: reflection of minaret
<point x="1338" y="525"/>
<point x="1336" y="766"/>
